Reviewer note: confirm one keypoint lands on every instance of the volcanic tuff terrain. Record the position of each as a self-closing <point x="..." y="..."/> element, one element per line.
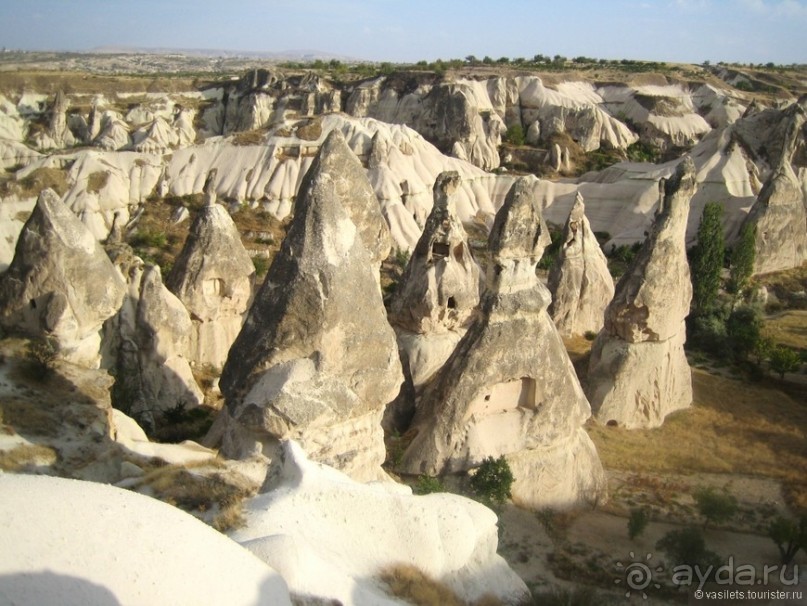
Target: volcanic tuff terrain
<point x="330" y="279"/>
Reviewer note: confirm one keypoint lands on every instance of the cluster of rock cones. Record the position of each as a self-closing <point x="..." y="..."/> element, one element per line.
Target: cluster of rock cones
<point x="470" y="362"/>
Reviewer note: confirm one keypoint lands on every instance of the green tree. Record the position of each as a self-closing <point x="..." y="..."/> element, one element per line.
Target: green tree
<point x="706" y="259"/>
<point x="686" y="547"/>
<point x="783" y="359"/>
<point x="515" y="135"/>
<point x="743" y="330"/>
<point x="789" y="536"/>
<point x="742" y="258"/>
<point x="492" y="481"/>
<point x="715" y="507"/>
<point x="637" y="522"/>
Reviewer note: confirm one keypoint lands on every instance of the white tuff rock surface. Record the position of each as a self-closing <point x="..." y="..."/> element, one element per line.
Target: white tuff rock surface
<point x="579" y="281"/>
<point x="213" y="277"/>
<point x="78" y="543"/>
<point x="509" y="388"/>
<point x="61" y="283"/>
<point x="779" y="216"/>
<point x="330" y="536"/>
<point x="435" y="298"/>
<point x="316" y="360"/>
<point x="638" y="372"/>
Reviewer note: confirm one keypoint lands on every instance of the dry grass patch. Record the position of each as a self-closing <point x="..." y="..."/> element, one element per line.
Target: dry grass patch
<point x="97" y="181"/>
<point x="415" y="587"/>
<point x="249" y="137"/>
<point x="733" y="427"/>
<point x="37" y="180"/>
<point x="200" y="492"/>
<point x="309" y="131"/>
<point x="788" y="328"/>
<point x="27" y="418"/>
<point x="26" y="456"/>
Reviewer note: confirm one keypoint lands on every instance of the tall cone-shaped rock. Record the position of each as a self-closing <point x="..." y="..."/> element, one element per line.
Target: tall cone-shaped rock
<point x="213" y="277"/>
<point x="638" y="372"/>
<point x="436" y="296"/>
<point x="778" y="215"/>
<point x="355" y="194"/>
<point x="149" y="343"/>
<point x="61" y="283"/>
<point x="440" y="286"/>
<point x="316" y="360"/>
<point x="579" y="281"/>
<point x="509" y="388"/>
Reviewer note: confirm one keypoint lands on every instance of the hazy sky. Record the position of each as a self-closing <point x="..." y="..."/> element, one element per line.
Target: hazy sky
<point x="410" y="30"/>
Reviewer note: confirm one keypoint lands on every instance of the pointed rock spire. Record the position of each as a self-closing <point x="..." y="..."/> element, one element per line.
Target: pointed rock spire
<point x="779" y="216"/>
<point x="579" y="281"/>
<point x="638" y="371"/>
<point x="316" y="360"/>
<point x="440" y="286"/>
<point x="213" y="276"/>
<point x="61" y="283"/>
<point x="509" y="388"/>
<point x="354" y="193"/>
<point x="435" y="299"/>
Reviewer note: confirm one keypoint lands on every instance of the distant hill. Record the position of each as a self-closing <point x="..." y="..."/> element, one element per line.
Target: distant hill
<point x="286" y="55"/>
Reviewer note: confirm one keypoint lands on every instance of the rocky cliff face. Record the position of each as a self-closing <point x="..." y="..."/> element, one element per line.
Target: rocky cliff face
<point x="509" y="387"/>
<point x="779" y="216"/>
<point x="61" y="283"/>
<point x="638" y="372"/>
<point x="580" y="283"/>
<point x="213" y="277"/>
<point x="316" y="359"/>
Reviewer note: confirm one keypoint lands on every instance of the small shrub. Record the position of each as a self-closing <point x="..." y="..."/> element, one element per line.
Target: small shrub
<point x="551" y="252"/>
<point x="261" y="264"/>
<point x="783" y="359"/>
<point x="590" y="335"/>
<point x="789" y="536"/>
<point x="402" y="257"/>
<point x="715" y="507"/>
<point x="492" y="481"/>
<point x="637" y="522"/>
<point x="41" y="355"/>
<point x="686" y="547"/>
<point x="515" y="135"/>
<point x="428" y="485"/>
<point x="707" y="332"/>
<point x="149" y="239"/>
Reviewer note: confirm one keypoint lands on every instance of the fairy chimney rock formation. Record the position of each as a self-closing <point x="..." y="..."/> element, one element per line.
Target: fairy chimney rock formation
<point x="316" y="360"/>
<point x="213" y="277"/>
<point x="579" y="281"/>
<point x="638" y="372"/>
<point x="150" y="340"/>
<point x="440" y="286"/>
<point x="509" y="388"/>
<point x="60" y="284"/>
<point x="779" y="215"/>
<point x="436" y="296"/>
<point x="355" y="194"/>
